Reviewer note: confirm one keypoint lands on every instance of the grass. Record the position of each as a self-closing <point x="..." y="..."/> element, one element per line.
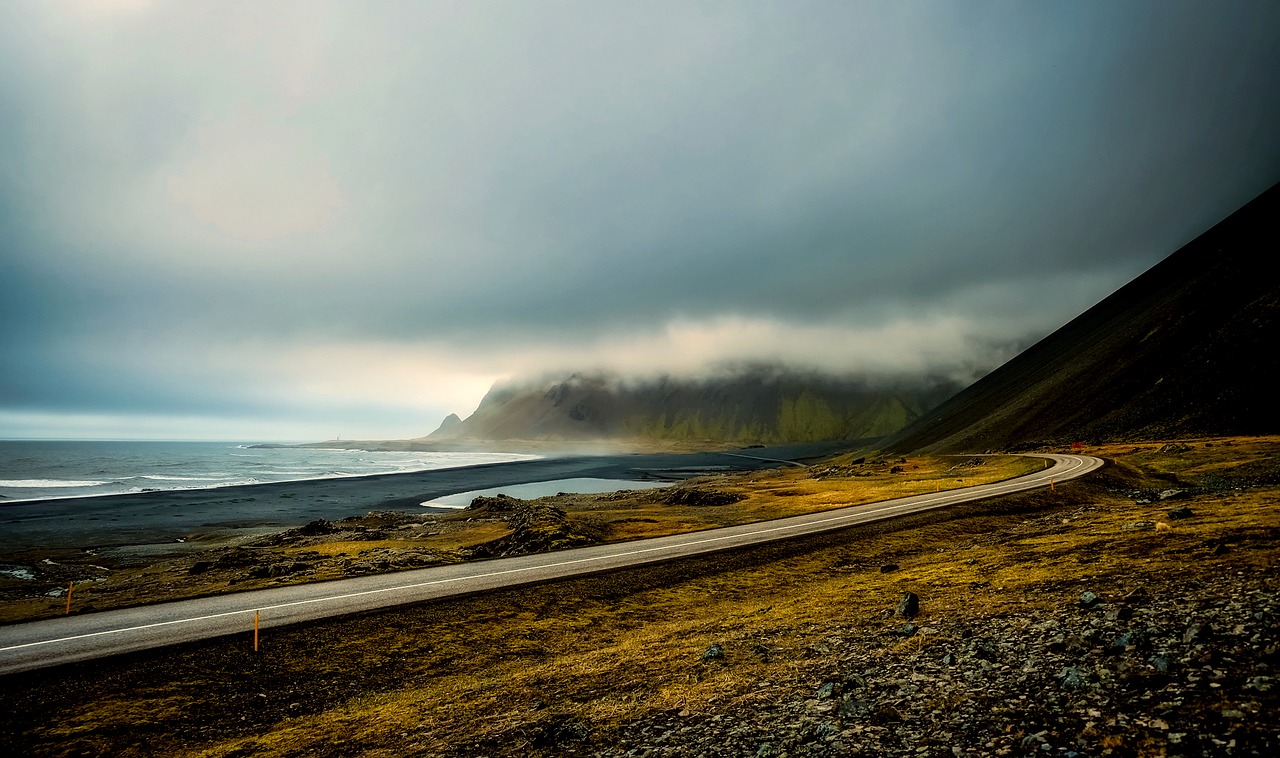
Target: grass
<point x="496" y="674"/>
<point x="446" y="539"/>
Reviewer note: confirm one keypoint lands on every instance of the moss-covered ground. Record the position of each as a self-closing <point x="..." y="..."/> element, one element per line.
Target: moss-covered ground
<point x="490" y="675"/>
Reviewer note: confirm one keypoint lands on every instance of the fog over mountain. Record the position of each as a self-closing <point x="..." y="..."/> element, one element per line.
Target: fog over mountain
<point x="1186" y="349"/>
<point x="758" y="404"/>
<point x="292" y="220"/>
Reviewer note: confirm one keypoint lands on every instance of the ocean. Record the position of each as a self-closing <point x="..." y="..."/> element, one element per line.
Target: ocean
<point x="40" y="469"/>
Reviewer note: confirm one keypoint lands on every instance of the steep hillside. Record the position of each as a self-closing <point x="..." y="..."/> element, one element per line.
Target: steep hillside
<point x="1187" y="348"/>
<point x="752" y="406"/>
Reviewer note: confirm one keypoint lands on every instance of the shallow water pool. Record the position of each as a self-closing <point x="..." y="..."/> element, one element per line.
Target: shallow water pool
<point x="581" y="486"/>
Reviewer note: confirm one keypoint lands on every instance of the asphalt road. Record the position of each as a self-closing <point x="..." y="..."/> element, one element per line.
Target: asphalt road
<point x="77" y="638"/>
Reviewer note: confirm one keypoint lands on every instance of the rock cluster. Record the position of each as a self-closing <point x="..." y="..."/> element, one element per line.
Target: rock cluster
<point x="379" y="560"/>
<point x="536" y="527"/>
<point x="374" y="525"/>
<point x="697" y="496"/>
<point x="496" y="504"/>
<point x="859" y="467"/>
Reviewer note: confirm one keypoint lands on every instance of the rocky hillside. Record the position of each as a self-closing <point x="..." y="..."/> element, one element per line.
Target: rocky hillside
<point x="753" y="406"/>
<point x="1187" y="348"/>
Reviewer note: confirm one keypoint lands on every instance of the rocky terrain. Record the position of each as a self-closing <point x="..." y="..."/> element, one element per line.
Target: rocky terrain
<point x="1174" y="662"/>
<point x="1129" y="614"/>
<point x="1176" y="670"/>
<point x="536" y="527"/>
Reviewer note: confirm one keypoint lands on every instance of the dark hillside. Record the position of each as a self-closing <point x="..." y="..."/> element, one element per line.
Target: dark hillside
<point x="1187" y="348"/>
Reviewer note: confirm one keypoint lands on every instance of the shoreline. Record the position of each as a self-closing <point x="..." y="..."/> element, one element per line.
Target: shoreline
<point x="79" y="469"/>
<point x="169" y="516"/>
<point x="5" y="501"/>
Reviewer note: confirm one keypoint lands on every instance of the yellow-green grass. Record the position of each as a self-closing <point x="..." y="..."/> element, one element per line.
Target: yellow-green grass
<point x="484" y="675"/>
<point x="631" y="515"/>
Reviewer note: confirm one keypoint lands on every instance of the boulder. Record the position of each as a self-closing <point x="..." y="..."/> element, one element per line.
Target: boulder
<point x="1196" y="633"/>
<point x="237" y="557"/>
<point x="499" y="503"/>
<point x="1071" y="678"/>
<point x="853" y="709"/>
<point x="908" y="606"/>
<point x="317" y="527"/>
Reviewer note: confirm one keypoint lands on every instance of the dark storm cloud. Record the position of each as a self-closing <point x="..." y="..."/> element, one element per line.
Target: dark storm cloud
<point x="315" y="206"/>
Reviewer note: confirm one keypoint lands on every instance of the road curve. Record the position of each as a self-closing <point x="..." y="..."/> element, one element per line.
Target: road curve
<point x="52" y="642"/>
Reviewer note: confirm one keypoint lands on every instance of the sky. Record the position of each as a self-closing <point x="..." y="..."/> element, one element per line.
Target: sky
<point x="295" y="220"/>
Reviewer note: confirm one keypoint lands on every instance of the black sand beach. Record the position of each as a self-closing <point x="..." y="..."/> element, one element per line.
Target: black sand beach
<point x="170" y="522"/>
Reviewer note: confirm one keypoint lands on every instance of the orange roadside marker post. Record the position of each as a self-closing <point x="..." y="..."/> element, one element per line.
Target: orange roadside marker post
<point x="255" y="630"/>
<point x="1051" y="485"/>
<point x="70" y="586"/>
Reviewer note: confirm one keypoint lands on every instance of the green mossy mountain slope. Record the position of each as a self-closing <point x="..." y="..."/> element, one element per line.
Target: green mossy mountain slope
<point x="758" y="406"/>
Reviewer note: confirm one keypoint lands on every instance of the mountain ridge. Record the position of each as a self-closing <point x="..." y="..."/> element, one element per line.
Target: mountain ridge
<point x="757" y="405"/>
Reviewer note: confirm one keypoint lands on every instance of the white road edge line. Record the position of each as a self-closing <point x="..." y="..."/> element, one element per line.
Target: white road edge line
<point x="1031" y="480"/>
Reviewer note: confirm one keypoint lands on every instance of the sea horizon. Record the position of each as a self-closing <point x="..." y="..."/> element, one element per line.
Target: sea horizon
<point x="45" y="469"/>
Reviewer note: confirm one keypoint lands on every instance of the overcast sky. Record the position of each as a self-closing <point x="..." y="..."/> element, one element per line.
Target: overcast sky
<point x="276" y="220"/>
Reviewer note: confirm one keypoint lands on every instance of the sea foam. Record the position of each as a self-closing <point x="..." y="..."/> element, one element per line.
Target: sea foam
<point x="28" y="483"/>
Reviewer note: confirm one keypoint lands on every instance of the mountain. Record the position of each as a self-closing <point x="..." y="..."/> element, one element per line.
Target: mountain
<point x="756" y="405"/>
<point x="1187" y="348"/>
<point x="450" y="423"/>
